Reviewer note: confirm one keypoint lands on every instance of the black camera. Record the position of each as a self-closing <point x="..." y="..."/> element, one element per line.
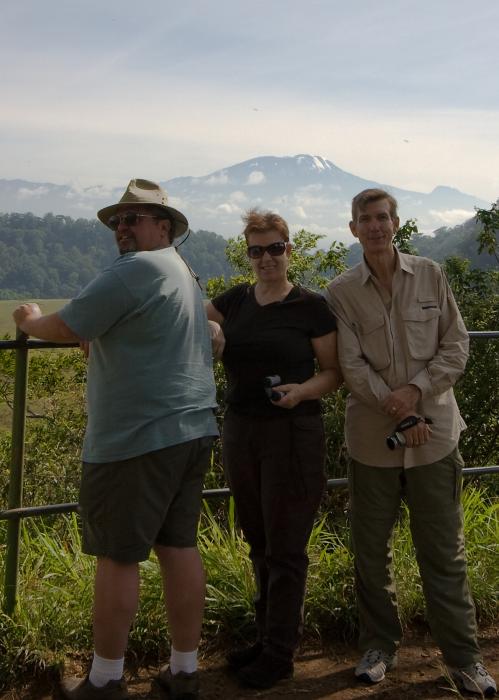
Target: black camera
<point x="269" y="383"/>
<point x="397" y="438"/>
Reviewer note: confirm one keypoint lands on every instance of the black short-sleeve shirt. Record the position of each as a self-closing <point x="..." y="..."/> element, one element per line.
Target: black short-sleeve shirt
<point x="268" y="340"/>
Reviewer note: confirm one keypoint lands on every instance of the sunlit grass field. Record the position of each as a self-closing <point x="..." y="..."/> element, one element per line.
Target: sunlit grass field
<point x="7" y="307"/>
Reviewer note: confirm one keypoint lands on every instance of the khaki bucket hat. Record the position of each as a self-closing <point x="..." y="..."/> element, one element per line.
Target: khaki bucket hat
<point x="149" y="193"/>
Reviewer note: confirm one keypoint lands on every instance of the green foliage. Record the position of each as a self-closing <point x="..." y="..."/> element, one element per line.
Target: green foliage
<point x="477" y="392"/>
<point x="488" y="236"/>
<point x="402" y="238"/>
<point x="330" y="606"/>
<point x="54" y="427"/>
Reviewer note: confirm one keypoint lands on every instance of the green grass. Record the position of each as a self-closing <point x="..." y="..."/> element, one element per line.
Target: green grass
<point x="7" y="325"/>
<point x="53" y="617"/>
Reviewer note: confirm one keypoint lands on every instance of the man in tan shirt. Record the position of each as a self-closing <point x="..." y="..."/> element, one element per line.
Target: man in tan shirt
<point x="402" y="346"/>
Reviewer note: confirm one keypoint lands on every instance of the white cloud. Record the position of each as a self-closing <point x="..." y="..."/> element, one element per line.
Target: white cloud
<point x="229" y="208"/>
<point x="451" y="217"/>
<point x="256" y="178"/>
<point x="214" y="180"/>
<point x="314" y="187"/>
<point x="300" y="212"/>
<point x="238" y="196"/>
<point x="27" y="193"/>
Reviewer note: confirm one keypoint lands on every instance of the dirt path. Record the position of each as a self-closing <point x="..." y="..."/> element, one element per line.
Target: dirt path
<point x="319" y="675"/>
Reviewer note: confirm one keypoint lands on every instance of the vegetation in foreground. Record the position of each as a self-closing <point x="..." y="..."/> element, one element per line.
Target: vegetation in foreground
<point x="52" y="620"/>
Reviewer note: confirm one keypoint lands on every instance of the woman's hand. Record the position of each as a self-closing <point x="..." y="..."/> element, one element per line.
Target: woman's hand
<point x="293" y="394"/>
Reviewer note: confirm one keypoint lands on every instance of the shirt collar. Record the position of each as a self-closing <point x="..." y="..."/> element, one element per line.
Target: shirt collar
<point x="402" y="262"/>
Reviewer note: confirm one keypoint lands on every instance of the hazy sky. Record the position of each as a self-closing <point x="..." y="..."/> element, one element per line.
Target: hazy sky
<point x="404" y="92"/>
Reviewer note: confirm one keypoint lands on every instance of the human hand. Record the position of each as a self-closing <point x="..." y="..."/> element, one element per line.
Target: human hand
<point x="292" y="395"/>
<point x="418" y="435"/>
<point x="25" y="313"/>
<point x="217" y="339"/>
<point x="402" y="402"/>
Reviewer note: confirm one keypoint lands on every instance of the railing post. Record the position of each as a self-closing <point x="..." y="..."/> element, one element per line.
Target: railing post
<point x="16" y="474"/>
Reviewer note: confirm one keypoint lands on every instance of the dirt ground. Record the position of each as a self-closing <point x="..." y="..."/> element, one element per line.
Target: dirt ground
<point x="319" y="674"/>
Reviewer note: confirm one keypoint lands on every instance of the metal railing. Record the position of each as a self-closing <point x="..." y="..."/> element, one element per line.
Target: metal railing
<point x="16" y="511"/>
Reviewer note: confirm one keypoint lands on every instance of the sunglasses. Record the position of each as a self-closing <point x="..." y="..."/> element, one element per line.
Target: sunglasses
<point x="131" y="218"/>
<point x="274" y="249"/>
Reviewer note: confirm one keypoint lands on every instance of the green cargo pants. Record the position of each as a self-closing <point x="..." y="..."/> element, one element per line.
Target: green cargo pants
<point x="433" y="495"/>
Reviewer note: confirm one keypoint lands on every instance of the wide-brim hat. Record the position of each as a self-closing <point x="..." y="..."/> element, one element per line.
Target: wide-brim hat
<point x="146" y="193"/>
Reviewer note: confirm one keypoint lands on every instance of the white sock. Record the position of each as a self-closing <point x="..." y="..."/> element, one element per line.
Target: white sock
<point x="104" y="670"/>
<point x="186" y="661"/>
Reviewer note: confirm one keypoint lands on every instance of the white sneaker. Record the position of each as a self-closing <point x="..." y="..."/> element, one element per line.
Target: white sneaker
<point x="475" y="679"/>
<point x="374" y="664"/>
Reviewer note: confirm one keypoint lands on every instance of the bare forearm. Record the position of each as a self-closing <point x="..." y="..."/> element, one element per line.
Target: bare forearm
<point x="51" y="327"/>
<point x="325" y="382"/>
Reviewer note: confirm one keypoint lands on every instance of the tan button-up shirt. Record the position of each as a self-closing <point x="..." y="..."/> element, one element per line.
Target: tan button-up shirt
<point x="416" y="336"/>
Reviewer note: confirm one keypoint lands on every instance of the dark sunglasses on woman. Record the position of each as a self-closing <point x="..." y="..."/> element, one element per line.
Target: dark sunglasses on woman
<point x="274" y="249"/>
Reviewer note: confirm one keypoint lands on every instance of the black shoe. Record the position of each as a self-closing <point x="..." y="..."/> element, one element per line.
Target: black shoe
<point x="83" y="689"/>
<point x="181" y="685"/>
<point x="242" y="657"/>
<point x="265" y="671"/>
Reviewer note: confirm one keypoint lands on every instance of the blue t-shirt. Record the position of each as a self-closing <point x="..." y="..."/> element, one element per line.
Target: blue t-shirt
<point x="150" y="375"/>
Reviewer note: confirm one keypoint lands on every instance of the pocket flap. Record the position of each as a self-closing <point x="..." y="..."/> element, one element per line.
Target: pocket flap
<point x="369" y="324"/>
<point x="418" y="313"/>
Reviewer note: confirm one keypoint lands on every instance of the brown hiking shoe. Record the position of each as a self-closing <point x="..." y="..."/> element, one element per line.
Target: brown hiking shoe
<point x="77" y="689"/>
<point x="181" y="685"/>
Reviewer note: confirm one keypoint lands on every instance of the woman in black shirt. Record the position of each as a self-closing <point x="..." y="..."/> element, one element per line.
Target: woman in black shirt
<point x="274" y="449"/>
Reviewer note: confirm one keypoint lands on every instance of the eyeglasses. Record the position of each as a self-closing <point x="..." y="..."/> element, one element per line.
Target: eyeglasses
<point x="274" y="249"/>
<point x="129" y="219"/>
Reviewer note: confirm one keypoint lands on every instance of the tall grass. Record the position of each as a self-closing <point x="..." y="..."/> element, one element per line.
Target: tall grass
<point x="53" y="617"/>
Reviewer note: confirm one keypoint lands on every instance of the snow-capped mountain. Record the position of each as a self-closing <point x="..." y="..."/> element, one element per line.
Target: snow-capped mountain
<point x="308" y="191"/>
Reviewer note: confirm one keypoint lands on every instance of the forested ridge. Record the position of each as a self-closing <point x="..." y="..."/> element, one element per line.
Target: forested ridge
<point x="56" y="256"/>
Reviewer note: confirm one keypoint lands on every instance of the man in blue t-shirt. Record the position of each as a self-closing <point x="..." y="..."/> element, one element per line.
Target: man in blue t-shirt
<point x="151" y="395"/>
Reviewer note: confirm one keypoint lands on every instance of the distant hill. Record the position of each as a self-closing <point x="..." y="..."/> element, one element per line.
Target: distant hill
<point x="56" y="256"/>
<point x="310" y="192"/>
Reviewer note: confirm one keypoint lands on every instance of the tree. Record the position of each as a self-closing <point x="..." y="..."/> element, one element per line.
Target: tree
<point x="477" y="392"/>
<point x="488" y="236"/>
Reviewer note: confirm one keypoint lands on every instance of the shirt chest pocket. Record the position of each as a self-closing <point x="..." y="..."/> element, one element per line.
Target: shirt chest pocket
<point x="373" y="343"/>
<point x="421" y="324"/>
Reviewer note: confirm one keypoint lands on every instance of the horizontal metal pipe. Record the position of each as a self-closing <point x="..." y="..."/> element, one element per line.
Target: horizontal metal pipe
<point x="33" y="511"/>
<point x="40" y="344"/>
